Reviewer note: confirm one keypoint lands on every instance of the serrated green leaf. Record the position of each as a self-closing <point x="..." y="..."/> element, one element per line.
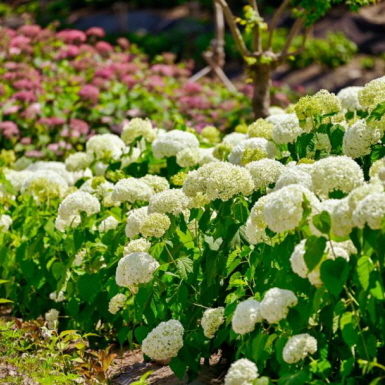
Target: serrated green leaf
<point x="334" y="274"/>
<point x="184" y="266"/>
<point x="364" y="268"/>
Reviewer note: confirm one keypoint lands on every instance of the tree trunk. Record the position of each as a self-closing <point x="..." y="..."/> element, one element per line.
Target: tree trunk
<point x="261" y="73"/>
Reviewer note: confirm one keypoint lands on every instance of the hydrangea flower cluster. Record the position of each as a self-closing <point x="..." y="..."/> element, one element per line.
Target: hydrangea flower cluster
<point x="298" y="347"/>
<point x="164" y="341"/>
<point x="116" y="303"/>
<point x="246" y="315"/>
<point x="241" y="372"/>
<point x="136" y="268"/>
<point x="211" y="321"/>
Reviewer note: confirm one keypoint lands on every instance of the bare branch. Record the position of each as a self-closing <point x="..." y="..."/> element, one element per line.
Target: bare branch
<point x="240" y="43"/>
<point x="253" y="3"/>
<point x="277" y="15"/>
<point x="301" y="49"/>
<point x="292" y="34"/>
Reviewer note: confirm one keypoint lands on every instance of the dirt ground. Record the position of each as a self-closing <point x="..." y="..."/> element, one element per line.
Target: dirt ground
<point x="130" y="366"/>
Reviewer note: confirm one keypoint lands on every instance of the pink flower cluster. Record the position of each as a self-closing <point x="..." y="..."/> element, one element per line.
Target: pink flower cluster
<point x="68" y="85"/>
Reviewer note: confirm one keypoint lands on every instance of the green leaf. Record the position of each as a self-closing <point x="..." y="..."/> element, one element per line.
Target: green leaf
<point x="348" y="328"/>
<point x="323" y="222"/>
<point x="364" y="268"/>
<point x="314" y="251"/>
<point x="58" y="270"/>
<point x="334" y="274"/>
<point x="178" y="367"/>
<point x="3" y="300"/>
<point x="298" y="378"/>
<point x="89" y="287"/>
<point x="141" y="333"/>
<point x="184" y="266"/>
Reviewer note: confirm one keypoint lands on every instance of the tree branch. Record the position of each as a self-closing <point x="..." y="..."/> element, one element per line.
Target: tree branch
<point x="277" y="15"/>
<point x="257" y="41"/>
<point x="301" y="49"/>
<point x="293" y="33"/>
<point x="240" y="43"/>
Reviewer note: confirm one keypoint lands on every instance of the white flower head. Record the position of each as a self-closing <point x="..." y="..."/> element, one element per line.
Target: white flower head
<point x="110" y="223"/>
<point x="173" y="201"/>
<point x="211" y="321"/>
<point x="140" y="244"/>
<point x="5" y="223"/>
<point x="135" y="268"/>
<point x="264" y="146"/>
<point x="116" y="303"/>
<point x="246" y="315"/>
<point x="349" y="98"/>
<point x="105" y="147"/>
<point x="336" y="173"/>
<point x="298" y="347"/>
<point x="241" y="372"/>
<point x="131" y="190"/>
<point x="276" y="303"/>
<point x="171" y="142"/>
<point x="77" y="202"/>
<point x="265" y="172"/>
<point x="286" y="128"/>
<point x="164" y="341"/>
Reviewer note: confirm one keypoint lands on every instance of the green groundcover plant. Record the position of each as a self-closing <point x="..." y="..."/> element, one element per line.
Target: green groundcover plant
<point x="267" y="245"/>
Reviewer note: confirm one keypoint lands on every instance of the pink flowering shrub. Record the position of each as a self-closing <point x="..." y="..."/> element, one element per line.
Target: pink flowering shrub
<point x="65" y="86"/>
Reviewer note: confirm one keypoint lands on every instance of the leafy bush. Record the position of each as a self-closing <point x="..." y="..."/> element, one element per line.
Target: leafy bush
<point x="281" y="231"/>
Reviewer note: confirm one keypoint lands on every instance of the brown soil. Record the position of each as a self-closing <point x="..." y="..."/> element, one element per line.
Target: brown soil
<point x="130" y="366"/>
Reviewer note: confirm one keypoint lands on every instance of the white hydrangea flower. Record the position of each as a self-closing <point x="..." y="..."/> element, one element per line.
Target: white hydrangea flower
<point x="78" y="261"/>
<point x="261" y="144"/>
<point x="349" y="98"/>
<point x="58" y="297"/>
<point x="172" y="201"/>
<point x="135" y="268"/>
<point x="375" y="169"/>
<point x="5" y="223"/>
<point x="157" y="183"/>
<point x="50" y="178"/>
<point x="77" y="202"/>
<point x="370" y="211"/>
<point x="105" y="147"/>
<point x="336" y="173"/>
<point x="102" y="190"/>
<point x="52" y="319"/>
<point x="286" y="128"/>
<point x="131" y="190"/>
<point x="78" y="161"/>
<point x="255" y="235"/>
<point x="170" y="143"/>
<point x="73" y="221"/>
<point x="218" y="180"/>
<point x="116" y="303"/>
<point x="265" y="172"/>
<point x="372" y="93"/>
<point x="17" y="178"/>
<point x="164" y="341"/>
<point x="298" y="264"/>
<point x="294" y="175"/>
<point x="340" y="214"/>
<point x="110" y="223"/>
<point x="188" y="157"/>
<point x="58" y="167"/>
<point x="135" y="218"/>
<point x="241" y="372"/>
<point x="283" y="209"/>
<point x="207" y="156"/>
<point x="360" y="193"/>
<point x="246" y="315"/>
<point x="130" y="155"/>
<point x="234" y="138"/>
<point x="359" y="138"/>
<point x="276" y="303"/>
<point x="275" y="110"/>
<point x="100" y="168"/>
<point x="138" y="127"/>
<point x="141" y="244"/>
<point x="298" y="347"/>
<point x="211" y="321"/>
<point x="155" y="225"/>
